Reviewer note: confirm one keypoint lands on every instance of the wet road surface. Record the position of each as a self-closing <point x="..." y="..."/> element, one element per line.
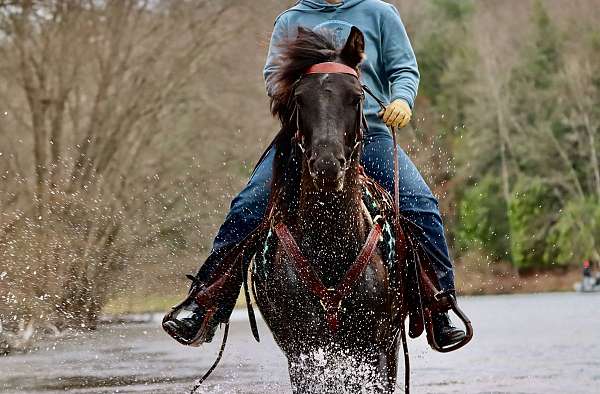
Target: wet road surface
<point x="547" y="343"/>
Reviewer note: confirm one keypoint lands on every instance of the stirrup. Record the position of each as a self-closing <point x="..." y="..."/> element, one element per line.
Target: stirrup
<point x="446" y="298"/>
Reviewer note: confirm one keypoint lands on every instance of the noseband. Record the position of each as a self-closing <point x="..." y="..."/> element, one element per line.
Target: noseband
<point x="361" y="122"/>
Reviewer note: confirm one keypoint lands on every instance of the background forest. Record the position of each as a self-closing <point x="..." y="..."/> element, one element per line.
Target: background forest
<point x="127" y="126"/>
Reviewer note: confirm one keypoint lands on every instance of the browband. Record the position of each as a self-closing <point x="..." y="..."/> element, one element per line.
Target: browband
<point x="331" y="68"/>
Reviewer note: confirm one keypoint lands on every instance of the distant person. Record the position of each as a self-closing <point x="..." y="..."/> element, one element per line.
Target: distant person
<point x="587" y="269"/>
<point x="390" y="71"/>
<point x="588" y="281"/>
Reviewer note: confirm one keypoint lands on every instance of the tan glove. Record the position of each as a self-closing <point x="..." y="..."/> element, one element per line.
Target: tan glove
<point x="397" y="114"/>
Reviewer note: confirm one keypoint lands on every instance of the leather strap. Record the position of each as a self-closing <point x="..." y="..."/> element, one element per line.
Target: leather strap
<point x="331" y="68"/>
<point x="207" y="295"/>
<point x="251" y="315"/>
<point x="399" y="234"/>
<point x="214" y="365"/>
<point x="330" y="299"/>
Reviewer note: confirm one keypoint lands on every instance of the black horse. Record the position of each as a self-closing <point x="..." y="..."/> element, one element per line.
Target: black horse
<point x="324" y="287"/>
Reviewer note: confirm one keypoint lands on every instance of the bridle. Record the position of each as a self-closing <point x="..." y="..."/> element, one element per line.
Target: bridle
<point x="360" y="123"/>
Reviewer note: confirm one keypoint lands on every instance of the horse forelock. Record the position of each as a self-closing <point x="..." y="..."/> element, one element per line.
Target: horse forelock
<point x="296" y="56"/>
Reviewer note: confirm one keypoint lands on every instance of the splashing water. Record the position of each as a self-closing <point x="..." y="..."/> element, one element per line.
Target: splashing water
<point x="330" y="370"/>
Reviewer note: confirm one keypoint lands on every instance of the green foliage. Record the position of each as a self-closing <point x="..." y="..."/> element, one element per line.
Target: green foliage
<point x="575" y="236"/>
<point x="454" y="10"/>
<point x="534" y="77"/>
<point x="531" y="211"/>
<point x="543" y="114"/>
<point x="483" y="219"/>
<point x="544" y="60"/>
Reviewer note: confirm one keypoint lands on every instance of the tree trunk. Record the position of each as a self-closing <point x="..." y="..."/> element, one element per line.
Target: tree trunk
<point x="593" y="153"/>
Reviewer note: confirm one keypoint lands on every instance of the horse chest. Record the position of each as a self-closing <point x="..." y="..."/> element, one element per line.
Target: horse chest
<point x="330" y="257"/>
<point x="330" y="254"/>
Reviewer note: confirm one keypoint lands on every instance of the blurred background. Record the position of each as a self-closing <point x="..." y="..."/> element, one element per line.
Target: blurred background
<point x="126" y="127"/>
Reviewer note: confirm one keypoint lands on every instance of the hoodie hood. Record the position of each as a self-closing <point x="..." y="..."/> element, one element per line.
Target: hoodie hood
<point x="323" y="5"/>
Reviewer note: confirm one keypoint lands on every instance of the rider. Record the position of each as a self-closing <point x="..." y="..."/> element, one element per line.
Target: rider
<point x="587" y="269"/>
<point x="390" y="71"/>
<point x="588" y="281"/>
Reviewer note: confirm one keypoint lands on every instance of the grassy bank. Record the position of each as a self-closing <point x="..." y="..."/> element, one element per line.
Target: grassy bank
<point x="504" y="280"/>
<point x="140" y="303"/>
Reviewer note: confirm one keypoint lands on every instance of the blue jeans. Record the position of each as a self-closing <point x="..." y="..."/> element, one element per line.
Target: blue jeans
<point x="416" y="202"/>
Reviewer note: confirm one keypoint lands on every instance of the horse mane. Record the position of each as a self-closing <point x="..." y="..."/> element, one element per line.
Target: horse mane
<point x="295" y="57"/>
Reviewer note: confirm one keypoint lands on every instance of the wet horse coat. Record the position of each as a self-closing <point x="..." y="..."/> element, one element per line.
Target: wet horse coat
<point x="318" y="201"/>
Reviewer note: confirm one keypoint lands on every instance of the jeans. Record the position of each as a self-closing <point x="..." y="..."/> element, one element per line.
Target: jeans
<point x="416" y="202"/>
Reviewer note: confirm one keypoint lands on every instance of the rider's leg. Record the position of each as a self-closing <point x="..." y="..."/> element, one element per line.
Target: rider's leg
<point x="189" y="322"/>
<point x="416" y="200"/>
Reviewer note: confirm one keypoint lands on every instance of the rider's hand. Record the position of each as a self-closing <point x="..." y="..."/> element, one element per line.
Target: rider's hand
<point x="397" y="114"/>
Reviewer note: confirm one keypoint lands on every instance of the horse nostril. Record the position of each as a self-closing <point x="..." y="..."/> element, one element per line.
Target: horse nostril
<point x="342" y="161"/>
<point x="311" y="163"/>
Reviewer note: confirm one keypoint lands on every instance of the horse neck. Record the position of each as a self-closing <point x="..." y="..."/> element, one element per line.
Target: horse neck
<point x="331" y="225"/>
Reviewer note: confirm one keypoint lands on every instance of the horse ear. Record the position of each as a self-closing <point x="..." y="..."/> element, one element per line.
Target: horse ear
<point x="354" y="49"/>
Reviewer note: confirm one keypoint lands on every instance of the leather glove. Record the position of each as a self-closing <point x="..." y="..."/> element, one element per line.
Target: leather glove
<point x="397" y="114"/>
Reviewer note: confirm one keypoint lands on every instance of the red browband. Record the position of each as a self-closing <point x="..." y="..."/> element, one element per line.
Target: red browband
<point x="331" y="68"/>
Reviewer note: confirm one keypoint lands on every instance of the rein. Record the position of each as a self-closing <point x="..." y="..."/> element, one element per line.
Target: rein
<point x="397" y="224"/>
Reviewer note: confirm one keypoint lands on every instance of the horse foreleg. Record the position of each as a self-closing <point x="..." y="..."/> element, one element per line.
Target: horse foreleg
<point x="296" y="379"/>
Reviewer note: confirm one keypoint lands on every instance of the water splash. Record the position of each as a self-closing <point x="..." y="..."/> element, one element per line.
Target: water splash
<point x="331" y="370"/>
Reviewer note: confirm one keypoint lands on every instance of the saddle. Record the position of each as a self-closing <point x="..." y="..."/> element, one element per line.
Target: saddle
<point x="422" y="296"/>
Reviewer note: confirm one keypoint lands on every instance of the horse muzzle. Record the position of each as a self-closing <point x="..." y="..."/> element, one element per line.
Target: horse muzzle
<point x="328" y="172"/>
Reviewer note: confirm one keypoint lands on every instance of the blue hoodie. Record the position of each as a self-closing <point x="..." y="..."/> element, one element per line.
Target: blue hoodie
<point x="390" y="69"/>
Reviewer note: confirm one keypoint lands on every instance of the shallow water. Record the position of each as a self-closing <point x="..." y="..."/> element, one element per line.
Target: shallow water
<point x="548" y="343"/>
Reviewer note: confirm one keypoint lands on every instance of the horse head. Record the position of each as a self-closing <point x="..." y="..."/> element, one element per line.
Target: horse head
<point x="323" y="105"/>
